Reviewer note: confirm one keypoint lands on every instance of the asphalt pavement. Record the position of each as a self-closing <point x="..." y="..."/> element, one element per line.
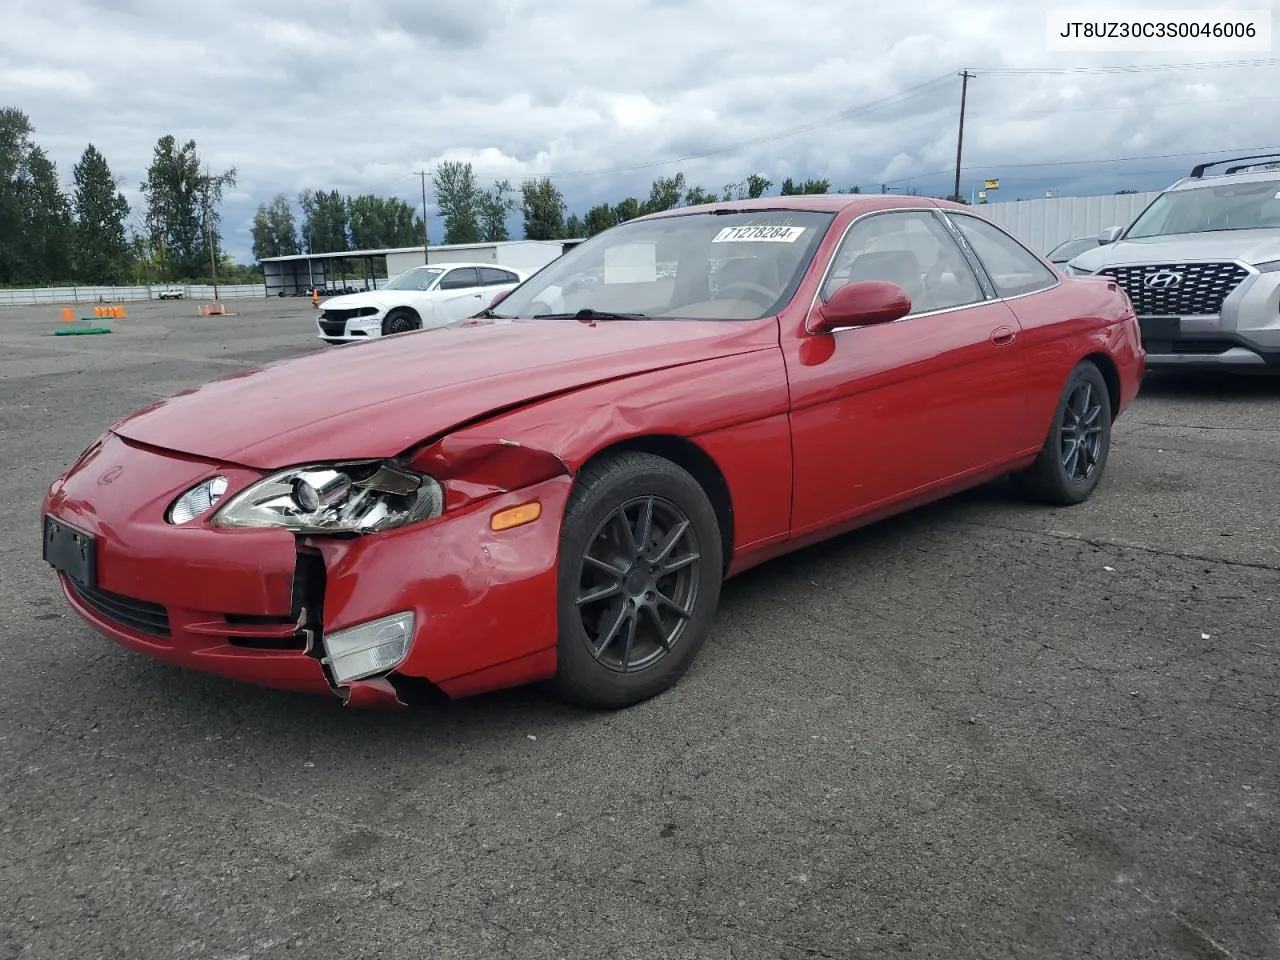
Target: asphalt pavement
<point x="981" y="730"/>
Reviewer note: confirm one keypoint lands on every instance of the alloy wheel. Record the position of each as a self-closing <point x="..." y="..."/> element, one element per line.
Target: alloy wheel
<point x="638" y="583"/>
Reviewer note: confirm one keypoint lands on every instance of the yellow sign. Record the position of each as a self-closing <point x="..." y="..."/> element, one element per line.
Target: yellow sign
<point x="993" y="184"/>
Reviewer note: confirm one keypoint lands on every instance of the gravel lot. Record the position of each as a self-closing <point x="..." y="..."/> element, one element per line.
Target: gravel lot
<point x="981" y="730"/>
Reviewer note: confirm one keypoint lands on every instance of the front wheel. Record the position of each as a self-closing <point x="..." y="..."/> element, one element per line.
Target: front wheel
<point x="1074" y="455"/>
<point x="400" y="321"/>
<point x="639" y="580"/>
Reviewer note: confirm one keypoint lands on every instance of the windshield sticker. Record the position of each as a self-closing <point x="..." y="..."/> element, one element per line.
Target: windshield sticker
<point x="759" y="234"/>
<point x="631" y="263"/>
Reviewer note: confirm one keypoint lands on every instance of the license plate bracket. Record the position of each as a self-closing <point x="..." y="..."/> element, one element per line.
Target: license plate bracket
<point x="71" y="551"/>
<point x="1161" y="328"/>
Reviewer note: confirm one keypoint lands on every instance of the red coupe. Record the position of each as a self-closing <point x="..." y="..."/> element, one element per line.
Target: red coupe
<point x="557" y="488"/>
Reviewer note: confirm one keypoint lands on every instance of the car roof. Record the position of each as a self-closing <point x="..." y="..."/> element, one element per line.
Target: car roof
<point x="1253" y="176"/>
<point x="450" y="264"/>
<point x="819" y="203"/>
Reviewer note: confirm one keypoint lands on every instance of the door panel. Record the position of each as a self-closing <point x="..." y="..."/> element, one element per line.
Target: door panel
<point x="883" y="412"/>
<point x="459" y="294"/>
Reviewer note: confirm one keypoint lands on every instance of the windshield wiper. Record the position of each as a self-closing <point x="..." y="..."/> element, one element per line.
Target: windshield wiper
<point x="586" y="315"/>
<point x="488" y="314"/>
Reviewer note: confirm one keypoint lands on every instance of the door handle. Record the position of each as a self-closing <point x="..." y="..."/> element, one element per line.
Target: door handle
<point x="1002" y="335"/>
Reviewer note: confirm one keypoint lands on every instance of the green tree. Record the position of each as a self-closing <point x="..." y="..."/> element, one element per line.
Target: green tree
<point x="791" y="189"/>
<point x="627" y="209"/>
<point x="458" y="199"/>
<point x="380" y="222"/>
<point x="182" y="206"/>
<point x="574" y="228"/>
<point x="751" y="188"/>
<point x="15" y="149"/>
<point x="275" y="233"/>
<point x="543" y="207"/>
<point x="599" y="219"/>
<point x="696" y="195"/>
<point x="47" y="222"/>
<point x="325" y="221"/>
<point x="665" y="193"/>
<point x="101" y="251"/>
<point x="495" y="208"/>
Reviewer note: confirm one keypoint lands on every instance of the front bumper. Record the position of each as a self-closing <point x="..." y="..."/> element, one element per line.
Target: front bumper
<point x="349" y="329"/>
<point x="1244" y="333"/>
<point x="255" y="605"/>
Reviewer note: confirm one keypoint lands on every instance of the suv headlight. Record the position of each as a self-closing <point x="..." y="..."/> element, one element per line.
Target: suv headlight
<point x="1071" y="271"/>
<point x="364" y="497"/>
<point x="1269" y="267"/>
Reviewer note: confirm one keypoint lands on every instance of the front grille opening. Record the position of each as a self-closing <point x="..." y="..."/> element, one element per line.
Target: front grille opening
<point x="308" y="596"/>
<point x="1203" y="348"/>
<point x="141" y="616"/>
<point x="1181" y="289"/>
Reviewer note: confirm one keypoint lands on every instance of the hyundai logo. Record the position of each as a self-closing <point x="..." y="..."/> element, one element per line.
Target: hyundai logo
<point x="1162" y="280"/>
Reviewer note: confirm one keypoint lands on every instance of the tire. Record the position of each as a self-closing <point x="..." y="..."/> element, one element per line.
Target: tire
<point x="590" y="668"/>
<point x="400" y="321"/>
<point x="1057" y="477"/>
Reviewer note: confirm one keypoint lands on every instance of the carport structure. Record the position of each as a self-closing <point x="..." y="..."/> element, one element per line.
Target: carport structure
<point x="296" y="275"/>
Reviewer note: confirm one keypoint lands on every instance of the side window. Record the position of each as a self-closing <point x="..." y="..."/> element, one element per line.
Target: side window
<point x="460" y="278"/>
<point x="1014" y="269"/>
<point x="912" y="249"/>
<point x="492" y="277"/>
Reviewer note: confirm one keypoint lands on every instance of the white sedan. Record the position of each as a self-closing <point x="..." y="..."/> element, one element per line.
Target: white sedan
<point x="423" y="298"/>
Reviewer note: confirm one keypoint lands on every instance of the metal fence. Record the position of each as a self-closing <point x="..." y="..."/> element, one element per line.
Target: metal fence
<point x="1045" y="223"/>
<point x="126" y="294"/>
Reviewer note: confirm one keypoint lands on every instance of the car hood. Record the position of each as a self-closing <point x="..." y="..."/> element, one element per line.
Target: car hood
<point x="378" y="399"/>
<point x="1251" y="246"/>
<point x="354" y="301"/>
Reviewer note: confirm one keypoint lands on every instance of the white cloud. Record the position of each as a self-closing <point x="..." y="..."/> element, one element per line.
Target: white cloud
<point x="357" y="96"/>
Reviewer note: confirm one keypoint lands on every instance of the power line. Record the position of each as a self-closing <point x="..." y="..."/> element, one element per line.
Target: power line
<point x="902" y="97"/>
<point x="1055" y="111"/>
<point x="1128" y="68"/>
<point x="989" y="165"/>
<point x="911" y="93"/>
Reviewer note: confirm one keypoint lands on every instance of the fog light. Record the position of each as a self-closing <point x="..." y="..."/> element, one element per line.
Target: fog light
<point x="370" y="648"/>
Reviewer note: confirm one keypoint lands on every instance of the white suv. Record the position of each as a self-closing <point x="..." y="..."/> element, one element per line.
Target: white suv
<point x="1202" y="266"/>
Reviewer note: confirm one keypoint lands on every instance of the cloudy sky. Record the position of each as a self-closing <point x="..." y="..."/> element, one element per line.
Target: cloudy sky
<point x="604" y="95"/>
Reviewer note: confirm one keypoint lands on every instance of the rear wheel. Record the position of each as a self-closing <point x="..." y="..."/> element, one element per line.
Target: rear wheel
<point x="1074" y="455"/>
<point x="639" y="580"/>
<point x="400" y="321"/>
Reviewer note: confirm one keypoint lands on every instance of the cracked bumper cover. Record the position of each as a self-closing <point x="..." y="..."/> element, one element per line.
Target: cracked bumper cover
<point x="255" y="605"/>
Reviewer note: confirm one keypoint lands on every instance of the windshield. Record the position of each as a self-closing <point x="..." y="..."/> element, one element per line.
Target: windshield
<point x="419" y="278"/>
<point x="708" y="266"/>
<point x="1236" y="206"/>
<point x="1065" y="251"/>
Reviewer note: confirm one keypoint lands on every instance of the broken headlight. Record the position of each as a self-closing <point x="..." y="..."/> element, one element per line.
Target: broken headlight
<point x="336" y="498"/>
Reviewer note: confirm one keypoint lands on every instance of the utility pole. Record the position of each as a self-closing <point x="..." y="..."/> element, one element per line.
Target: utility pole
<point x="208" y="232"/>
<point x="965" y="77"/>
<point x="425" y="243"/>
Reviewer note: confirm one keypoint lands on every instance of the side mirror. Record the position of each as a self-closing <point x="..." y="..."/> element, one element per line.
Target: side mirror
<point x="1110" y="235"/>
<point x="862" y="303"/>
<point x="502" y="295"/>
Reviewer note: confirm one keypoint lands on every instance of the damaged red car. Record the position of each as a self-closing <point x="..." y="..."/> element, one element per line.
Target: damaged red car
<point x="556" y="489"/>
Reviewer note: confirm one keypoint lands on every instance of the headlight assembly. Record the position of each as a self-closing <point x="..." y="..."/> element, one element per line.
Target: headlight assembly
<point x="365" y="497"/>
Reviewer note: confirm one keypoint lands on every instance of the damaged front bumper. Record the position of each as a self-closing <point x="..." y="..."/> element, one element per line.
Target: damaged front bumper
<point x="361" y="618"/>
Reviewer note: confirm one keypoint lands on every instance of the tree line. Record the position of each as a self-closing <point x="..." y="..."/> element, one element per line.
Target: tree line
<point x="91" y="234"/>
<point x="473" y="215"/>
